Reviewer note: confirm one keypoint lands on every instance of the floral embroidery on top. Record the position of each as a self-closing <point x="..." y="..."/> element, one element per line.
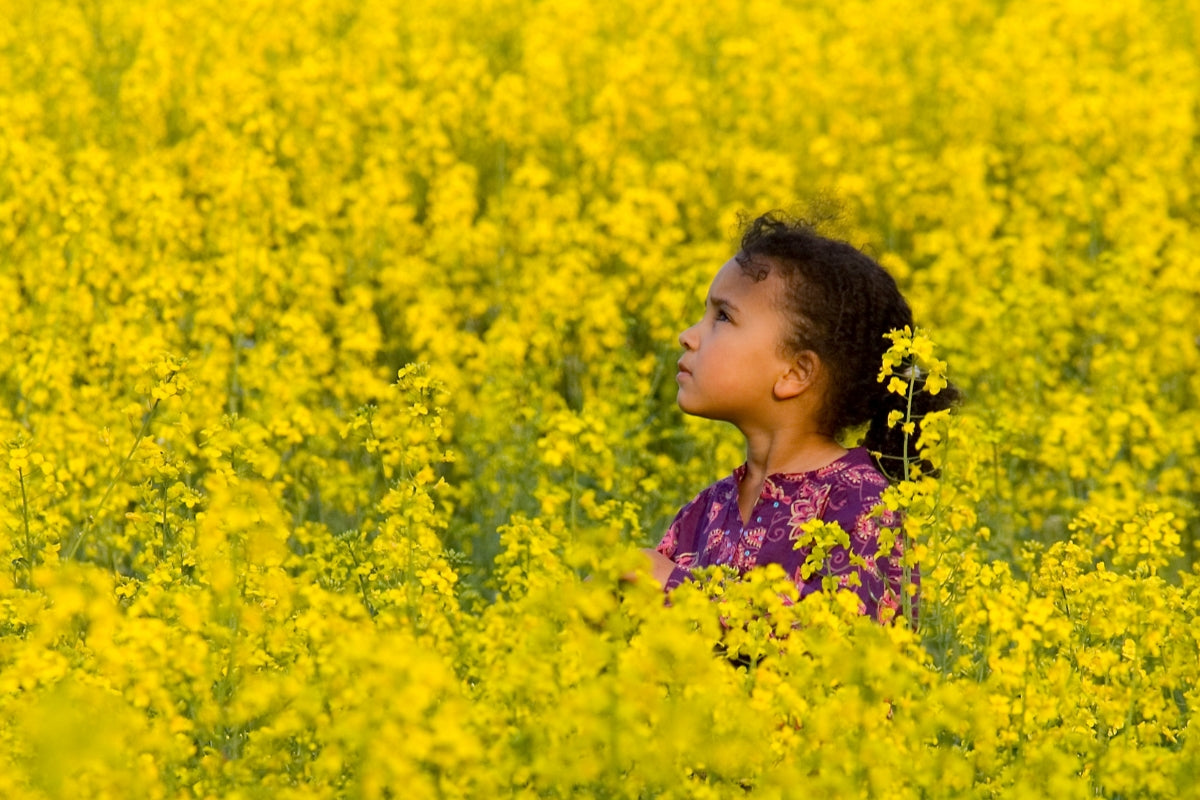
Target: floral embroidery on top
<point x="709" y="531"/>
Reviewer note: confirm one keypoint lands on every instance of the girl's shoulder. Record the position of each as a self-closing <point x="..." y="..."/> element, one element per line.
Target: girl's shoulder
<point x="716" y="492"/>
<point x="853" y="480"/>
<point x="858" y="487"/>
<point x="856" y="466"/>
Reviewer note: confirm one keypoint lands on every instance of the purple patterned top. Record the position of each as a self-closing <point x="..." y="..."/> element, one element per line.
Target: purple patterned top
<point x="709" y="531"/>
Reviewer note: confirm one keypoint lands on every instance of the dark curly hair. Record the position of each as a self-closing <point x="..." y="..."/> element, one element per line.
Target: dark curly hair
<point x="842" y="304"/>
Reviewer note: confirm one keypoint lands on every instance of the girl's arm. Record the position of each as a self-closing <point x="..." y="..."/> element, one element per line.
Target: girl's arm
<point x="660" y="567"/>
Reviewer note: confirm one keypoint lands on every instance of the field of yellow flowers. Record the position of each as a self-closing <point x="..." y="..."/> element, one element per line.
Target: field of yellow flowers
<point x="337" y="393"/>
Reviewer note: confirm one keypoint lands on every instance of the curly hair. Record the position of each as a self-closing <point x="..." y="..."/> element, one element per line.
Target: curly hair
<point x="841" y="304"/>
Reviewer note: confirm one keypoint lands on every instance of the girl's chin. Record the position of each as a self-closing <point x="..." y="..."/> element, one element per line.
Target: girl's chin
<point x="688" y="406"/>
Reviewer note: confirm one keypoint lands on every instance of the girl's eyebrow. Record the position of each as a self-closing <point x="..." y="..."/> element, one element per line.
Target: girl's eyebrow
<point x="721" y="302"/>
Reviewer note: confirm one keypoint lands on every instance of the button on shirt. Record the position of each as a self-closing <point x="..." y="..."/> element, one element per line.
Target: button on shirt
<point x="709" y="531"/>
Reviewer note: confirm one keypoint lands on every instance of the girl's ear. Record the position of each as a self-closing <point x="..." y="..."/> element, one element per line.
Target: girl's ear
<point x="800" y="376"/>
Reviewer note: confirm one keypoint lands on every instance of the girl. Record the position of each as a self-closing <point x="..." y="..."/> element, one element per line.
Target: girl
<point x="789" y="350"/>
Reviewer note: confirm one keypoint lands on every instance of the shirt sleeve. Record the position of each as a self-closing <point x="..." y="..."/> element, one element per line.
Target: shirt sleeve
<point x="681" y="541"/>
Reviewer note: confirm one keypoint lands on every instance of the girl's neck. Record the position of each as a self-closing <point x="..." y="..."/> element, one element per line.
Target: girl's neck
<point x="771" y="454"/>
<point x="801" y="452"/>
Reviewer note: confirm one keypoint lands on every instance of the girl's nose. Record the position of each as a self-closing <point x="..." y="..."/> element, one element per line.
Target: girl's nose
<point x="687" y="338"/>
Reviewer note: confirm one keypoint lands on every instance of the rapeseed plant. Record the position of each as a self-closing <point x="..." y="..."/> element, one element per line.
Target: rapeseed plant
<point x="336" y="398"/>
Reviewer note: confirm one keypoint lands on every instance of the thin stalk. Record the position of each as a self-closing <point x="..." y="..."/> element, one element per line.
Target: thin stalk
<point x="28" y="536"/>
<point x="906" y="570"/>
<point x="362" y="581"/>
<point x="574" y="494"/>
<point x="73" y="547"/>
<point x="912" y="382"/>
<point x="410" y="589"/>
<point x="166" y="529"/>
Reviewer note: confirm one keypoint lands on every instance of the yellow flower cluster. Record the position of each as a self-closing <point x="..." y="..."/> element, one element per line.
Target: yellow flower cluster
<point x="337" y="397"/>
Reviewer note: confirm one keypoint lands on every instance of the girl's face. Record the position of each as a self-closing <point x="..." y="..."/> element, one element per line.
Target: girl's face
<point x="733" y="356"/>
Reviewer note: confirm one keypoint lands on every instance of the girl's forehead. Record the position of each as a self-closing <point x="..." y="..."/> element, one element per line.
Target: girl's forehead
<point x="733" y="278"/>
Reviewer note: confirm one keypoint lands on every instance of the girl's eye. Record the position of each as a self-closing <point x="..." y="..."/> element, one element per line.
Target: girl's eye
<point x="722" y="316"/>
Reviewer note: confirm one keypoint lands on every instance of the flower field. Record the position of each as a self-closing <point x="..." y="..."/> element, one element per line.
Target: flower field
<point x="338" y="394"/>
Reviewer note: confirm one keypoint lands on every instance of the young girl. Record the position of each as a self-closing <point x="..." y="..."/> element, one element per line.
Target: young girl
<point x="789" y="350"/>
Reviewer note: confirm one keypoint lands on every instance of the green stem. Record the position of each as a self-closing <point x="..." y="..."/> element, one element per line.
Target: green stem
<point x="574" y="493"/>
<point x="28" y="536"/>
<point x="73" y="547"/>
<point x="912" y="382"/>
<point x="410" y="597"/>
<point x="362" y="581"/>
<point x="166" y="526"/>
<point x="906" y="570"/>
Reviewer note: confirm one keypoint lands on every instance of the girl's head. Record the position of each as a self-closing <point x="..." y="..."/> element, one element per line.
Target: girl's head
<point x="837" y="304"/>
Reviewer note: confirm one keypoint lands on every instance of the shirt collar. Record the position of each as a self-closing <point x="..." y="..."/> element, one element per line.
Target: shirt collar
<point x="854" y="456"/>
